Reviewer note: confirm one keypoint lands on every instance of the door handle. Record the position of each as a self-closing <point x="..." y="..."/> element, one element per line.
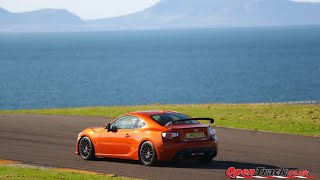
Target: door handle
<point x="127" y="136"/>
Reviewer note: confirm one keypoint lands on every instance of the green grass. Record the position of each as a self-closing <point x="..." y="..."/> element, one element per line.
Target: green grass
<point x="12" y="173"/>
<point x="291" y="119"/>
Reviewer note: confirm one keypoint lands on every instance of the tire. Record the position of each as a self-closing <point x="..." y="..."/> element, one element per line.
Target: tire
<point x="205" y="159"/>
<point x="86" y="149"/>
<point x="147" y="154"/>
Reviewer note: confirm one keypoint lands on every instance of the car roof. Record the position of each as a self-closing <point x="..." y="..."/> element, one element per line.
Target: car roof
<point x="153" y="112"/>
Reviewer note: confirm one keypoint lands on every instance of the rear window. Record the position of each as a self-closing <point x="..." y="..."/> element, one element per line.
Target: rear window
<point x="163" y="119"/>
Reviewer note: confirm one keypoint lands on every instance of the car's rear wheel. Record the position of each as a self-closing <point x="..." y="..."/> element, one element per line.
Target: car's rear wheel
<point x="148" y="155"/>
<point x="86" y="149"/>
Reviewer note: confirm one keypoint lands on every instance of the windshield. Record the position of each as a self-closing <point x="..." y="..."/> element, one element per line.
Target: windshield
<point x="163" y="119"/>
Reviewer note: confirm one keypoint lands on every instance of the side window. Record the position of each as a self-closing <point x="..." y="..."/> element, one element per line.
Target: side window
<point x="122" y="123"/>
<point x="128" y="122"/>
<point x="156" y="117"/>
<point x="140" y="123"/>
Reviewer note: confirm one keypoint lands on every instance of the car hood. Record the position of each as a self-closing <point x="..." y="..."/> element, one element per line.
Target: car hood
<point x="91" y="130"/>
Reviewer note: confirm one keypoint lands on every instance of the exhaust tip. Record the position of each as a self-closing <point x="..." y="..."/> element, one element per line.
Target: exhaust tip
<point x="182" y="156"/>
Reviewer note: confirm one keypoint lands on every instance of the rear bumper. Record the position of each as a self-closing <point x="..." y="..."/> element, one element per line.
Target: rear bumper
<point x="195" y="152"/>
<point x="185" y="150"/>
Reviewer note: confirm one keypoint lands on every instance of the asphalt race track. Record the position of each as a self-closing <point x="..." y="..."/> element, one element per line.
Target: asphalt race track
<point x="50" y="141"/>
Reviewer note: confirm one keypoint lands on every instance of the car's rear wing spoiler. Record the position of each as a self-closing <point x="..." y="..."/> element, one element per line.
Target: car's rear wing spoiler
<point x="211" y="120"/>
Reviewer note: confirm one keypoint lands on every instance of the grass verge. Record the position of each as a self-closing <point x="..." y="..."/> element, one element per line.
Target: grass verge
<point x="16" y="173"/>
<point x="291" y="119"/>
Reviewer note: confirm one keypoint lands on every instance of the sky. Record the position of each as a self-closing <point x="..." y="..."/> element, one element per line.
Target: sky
<point x="87" y="9"/>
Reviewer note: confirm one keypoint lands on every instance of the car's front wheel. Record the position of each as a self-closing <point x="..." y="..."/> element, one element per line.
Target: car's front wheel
<point x="148" y="155"/>
<point x="86" y="149"/>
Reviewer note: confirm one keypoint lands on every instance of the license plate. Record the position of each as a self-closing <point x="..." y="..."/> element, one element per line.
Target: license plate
<point x="195" y="135"/>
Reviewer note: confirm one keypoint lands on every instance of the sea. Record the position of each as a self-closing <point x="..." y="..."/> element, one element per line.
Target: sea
<point x="193" y="66"/>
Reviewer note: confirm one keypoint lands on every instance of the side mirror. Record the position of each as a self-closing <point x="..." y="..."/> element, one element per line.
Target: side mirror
<point x="108" y="127"/>
<point x="112" y="129"/>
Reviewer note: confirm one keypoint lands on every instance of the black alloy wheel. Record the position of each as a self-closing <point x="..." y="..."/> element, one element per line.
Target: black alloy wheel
<point x="86" y="149"/>
<point x="148" y="154"/>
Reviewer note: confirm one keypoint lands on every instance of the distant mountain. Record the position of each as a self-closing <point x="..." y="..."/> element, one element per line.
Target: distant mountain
<point x="212" y="13"/>
<point x="41" y="20"/>
<point x="3" y="11"/>
<point x="172" y="14"/>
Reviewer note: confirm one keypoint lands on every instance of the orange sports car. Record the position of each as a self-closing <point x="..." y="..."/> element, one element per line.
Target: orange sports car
<point x="150" y="136"/>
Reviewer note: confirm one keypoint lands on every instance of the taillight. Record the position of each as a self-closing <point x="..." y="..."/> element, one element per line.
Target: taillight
<point x="212" y="131"/>
<point x="213" y="134"/>
<point x="170" y="135"/>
